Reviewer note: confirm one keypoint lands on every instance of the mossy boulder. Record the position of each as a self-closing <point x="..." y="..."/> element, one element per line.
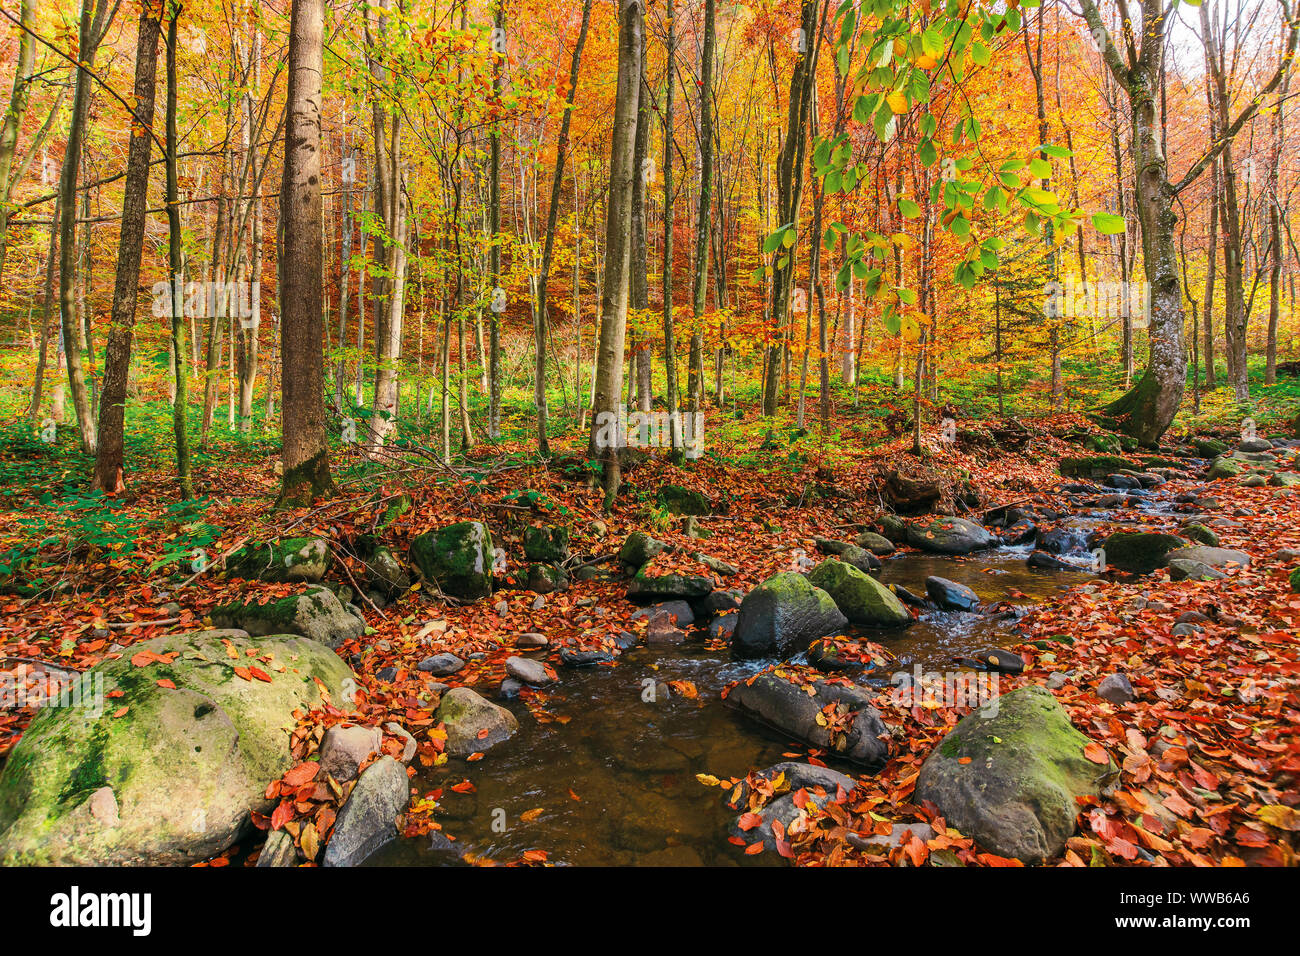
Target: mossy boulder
<point x="1104" y="443"/>
<point x="684" y="501"/>
<point x="1209" y="447"/>
<point x="385" y="572"/>
<point x="1141" y="552"/>
<point x="1200" y="534"/>
<point x="292" y="559"/>
<point x="861" y="598"/>
<point x="783" y="615"/>
<point x="550" y="545"/>
<point x="638" y="549"/>
<point x="1284" y="479"/>
<point x="949" y="536"/>
<point x="473" y="723"/>
<point x="1225" y="467"/>
<point x="457" y="559"/>
<point x="648" y="586"/>
<point x="317" y="614"/>
<point x="1294" y="578"/>
<point x="893" y="529"/>
<point x="1091" y="466"/>
<point x="545" y="578"/>
<point x="172" y="779"/>
<point x="1008" y="775"/>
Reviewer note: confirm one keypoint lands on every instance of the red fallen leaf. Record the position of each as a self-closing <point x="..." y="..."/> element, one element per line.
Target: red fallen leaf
<point x="464" y="787"/>
<point x="484" y="732"/>
<point x="783" y="848"/>
<point x="114" y="694"/>
<point x="164" y="682"/>
<point x="739" y="841"/>
<point x="143" y="659"/>
<point x="220" y="861"/>
<point x="753" y="849"/>
<point x="474" y="756"/>
<point x="260" y="674"/>
<point x="1118" y="846"/>
<point x="244" y="673"/>
<point x="281" y="815"/>
<point x="748" y="821"/>
<point x="989" y="859"/>
<point x="800" y="798"/>
<point x="573" y="795"/>
<point x="122" y="712"/>
<point x="1096" y="753"/>
<point x="535" y="856"/>
<point x="916" y="850"/>
<point x="963" y="760"/>
<point x="1176" y="804"/>
<point x="302" y="773"/>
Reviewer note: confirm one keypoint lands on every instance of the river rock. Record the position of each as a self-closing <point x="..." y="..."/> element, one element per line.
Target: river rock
<point x="1140" y="552"/>
<point x="861" y="598"/>
<point x="441" y="665"/>
<point x="1203" y="554"/>
<point x="783" y="614"/>
<point x="678" y="611"/>
<point x="466" y="716"/>
<point x="1049" y="562"/>
<point x="528" y="671"/>
<point x="208" y="747"/>
<point x="1009" y="780"/>
<point x="369" y="819"/>
<point x="457" y="559"/>
<point x="1183" y="570"/>
<point x="779" y="702"/>
<point x="950" y="594"/>
<point x="875" y="543"/>
<point x="657" y="587"/>
<point x="344" y="749"/>
<point x="1063" y="540"/>
<point x="1116" y="688"/>
<point x="317" y="614"/>
<point x="949" y="536"/>
<point x="860" y="558"/>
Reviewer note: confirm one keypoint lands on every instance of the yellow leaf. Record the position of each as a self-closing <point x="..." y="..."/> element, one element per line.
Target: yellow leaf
<point x="897" y="102"/>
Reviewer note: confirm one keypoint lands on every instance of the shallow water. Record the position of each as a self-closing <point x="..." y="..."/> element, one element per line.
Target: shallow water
<point x="616" y="783"/>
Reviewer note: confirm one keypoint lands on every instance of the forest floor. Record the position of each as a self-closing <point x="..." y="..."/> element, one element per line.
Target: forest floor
<point x="1208" y="750"/>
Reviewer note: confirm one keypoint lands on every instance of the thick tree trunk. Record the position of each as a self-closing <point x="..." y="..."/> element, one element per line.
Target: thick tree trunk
<point x="305" y="449"/>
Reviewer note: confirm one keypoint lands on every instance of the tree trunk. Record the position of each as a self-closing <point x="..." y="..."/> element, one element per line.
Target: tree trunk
<point x="117" y="364"/>
<point x="305" y="449"/>
<point x="605" y="431"/>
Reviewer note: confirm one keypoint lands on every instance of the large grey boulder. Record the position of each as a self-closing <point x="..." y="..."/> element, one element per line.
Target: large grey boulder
<point x="163" y="774"/>
<point x="1009" y="775"/>
<point x="949" y="536"/>
<point x="783" y="615"/>
<point x="774" y="699"/>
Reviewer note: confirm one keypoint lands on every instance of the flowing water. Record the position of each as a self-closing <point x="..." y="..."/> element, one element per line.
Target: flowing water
<point x="616" y="783"/>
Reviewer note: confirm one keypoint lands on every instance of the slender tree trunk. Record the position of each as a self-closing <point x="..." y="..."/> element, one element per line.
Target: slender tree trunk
<point x="180" y="408"/>
<point x="605" y="431"/>
<point x="117" y="364"/>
